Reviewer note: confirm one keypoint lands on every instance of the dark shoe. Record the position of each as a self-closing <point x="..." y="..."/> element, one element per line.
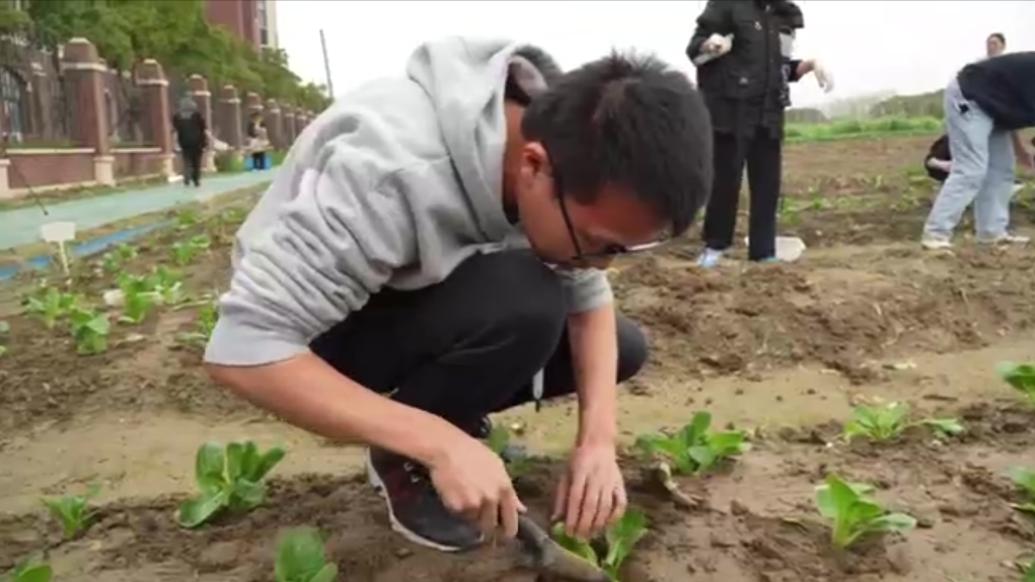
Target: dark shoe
<point x="414" y="507"/>
<point x="481" y="431"/>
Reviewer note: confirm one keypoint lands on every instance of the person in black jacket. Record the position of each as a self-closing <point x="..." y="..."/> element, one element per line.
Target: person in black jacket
<point x="742" y="49"/>
<point x="985" y="105"/>
<point x="191" y="135"/>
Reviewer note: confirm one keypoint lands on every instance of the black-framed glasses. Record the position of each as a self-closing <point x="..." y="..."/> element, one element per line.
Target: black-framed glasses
<point x="611" y="250"/>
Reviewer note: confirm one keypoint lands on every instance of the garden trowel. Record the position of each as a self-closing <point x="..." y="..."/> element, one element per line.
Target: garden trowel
<point x="548" y="557"/>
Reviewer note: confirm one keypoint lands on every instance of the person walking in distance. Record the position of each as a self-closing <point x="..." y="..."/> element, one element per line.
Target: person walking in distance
<point x="191" y="136"/>
<point x="432" y="251"/>
<point x="258" y="141"/>
<point x="743" y="52"/>
<point x="986" y="104"/>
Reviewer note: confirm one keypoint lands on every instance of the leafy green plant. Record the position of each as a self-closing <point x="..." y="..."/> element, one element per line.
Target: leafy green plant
<point x="1025" y="480"/>
<point x="90" y="331"/>
<point x="71" y="511"/>
<point x="883" y="423"/>
<point x="29" y="571"/>
<point x="166" y="284"/>
<point x="115" y="258"/>
<point x="138" y="298"/>
<point x="229" y="478"/>
<point x="51" y="305"/>
<point x="208" y="316"/>
<point x="185" y="251"/>
<point x="854" y="514"/>
<point x="1021" y="377"/>
<point x="499" y="442"/>
<point x="5" y="328"/>
<point x="1029" y="572"/>
<point x="694" y="449"/>
<point x="187" y="218"/>
<point x="301" y="558"/>
<point x="619" y="540"/>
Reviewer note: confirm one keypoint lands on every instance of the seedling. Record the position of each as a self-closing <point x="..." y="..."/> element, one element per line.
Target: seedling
<point x="71" y="511"/>
<point x="229" y="478"/>
<point x="883" y="423"/>
<point x="1021" y="377"/>
<point x="301" y="558"/>
<point x="619" y="540"/>
<point x="138" y="298"/>
<point x="51" y="305"/>
<point x="694" y="449"/>
<point x="208" y="315"/>
<point x="29" y="571"/>
<point x="114" y="259"/>
<point x="1025" y="479"/>
<point x="499" y="442"/>
<point x="185" y="251"/>
<point x="90" y="330"/>
<point x="186" y="218"/>
<point x="5" y="328"/>
<point x="167" y="285"/>
<point x="854" y="514"/>
<point x="1029" y="572"/>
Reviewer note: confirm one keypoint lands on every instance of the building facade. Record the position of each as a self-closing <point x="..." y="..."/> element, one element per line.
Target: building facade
<point x="253" y="21"/>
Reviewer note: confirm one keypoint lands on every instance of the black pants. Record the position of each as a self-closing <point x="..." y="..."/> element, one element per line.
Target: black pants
<point x="763" y="153"/>
<point x="191" y="164"/>
<point x="471" y="344"/>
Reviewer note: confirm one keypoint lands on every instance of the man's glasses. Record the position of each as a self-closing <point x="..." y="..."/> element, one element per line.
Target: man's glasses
<point x="610" y="251"/>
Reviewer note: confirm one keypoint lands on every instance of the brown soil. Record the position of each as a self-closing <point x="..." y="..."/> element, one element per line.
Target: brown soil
<point x="765" y="347"/>
<point x="756" y="522"/>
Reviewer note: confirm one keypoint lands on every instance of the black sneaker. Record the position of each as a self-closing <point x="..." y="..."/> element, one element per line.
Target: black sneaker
<point x="414" y="507"/>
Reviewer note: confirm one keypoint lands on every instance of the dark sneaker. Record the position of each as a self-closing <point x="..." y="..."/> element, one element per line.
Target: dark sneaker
<point x="481" y="431"/>
<point x="414" y="507"/>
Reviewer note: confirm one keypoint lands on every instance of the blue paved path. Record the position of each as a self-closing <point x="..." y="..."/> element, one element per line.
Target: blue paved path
<point x="22" y="226"/>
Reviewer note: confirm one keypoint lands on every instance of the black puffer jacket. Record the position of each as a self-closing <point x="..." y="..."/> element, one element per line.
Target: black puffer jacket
<point x="747" y="87"/>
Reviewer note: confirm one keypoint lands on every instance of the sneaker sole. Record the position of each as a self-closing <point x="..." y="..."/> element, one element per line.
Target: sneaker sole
<point x="397" y="526"/>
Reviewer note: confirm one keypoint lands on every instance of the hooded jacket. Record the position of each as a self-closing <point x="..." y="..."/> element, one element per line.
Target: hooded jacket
<point x="394" y="186"/>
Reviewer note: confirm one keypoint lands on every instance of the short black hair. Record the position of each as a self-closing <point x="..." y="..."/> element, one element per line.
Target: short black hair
<point x="629" y="120"/>
<point x="998" y="35"/>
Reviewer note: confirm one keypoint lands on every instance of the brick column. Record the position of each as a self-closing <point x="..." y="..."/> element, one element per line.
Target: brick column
<point x="228" y="118"/>
<point x="271" y="117"/>
<point x="157" y="124"/>
<point x="84" y="77"/>
<point x="198" y="87"/>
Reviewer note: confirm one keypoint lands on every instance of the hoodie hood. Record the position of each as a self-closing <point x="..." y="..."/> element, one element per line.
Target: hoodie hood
<point x="465" y="80"/>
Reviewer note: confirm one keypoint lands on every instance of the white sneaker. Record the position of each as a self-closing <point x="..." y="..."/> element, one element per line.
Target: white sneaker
<point x="1005" y="239"/>
<point x="709" y="259"/>
<point x="934" y="243"/>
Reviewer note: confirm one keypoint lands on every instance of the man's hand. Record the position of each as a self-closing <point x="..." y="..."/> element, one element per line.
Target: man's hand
<point x="591" y="493"/>
<point x="823" y="75"/>
<point x="717" y="45"/>
<point x="473" y="482"/>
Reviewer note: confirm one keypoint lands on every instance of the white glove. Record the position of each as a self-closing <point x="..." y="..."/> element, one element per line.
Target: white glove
<point x="714" y="47"/>
<point x="823" y="76"/>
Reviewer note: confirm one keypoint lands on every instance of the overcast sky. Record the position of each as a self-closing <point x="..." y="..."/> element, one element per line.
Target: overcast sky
<point x="870" y="45"/>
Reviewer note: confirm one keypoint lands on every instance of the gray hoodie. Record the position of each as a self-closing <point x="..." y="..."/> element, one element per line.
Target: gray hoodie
<point x="393" y="186"/>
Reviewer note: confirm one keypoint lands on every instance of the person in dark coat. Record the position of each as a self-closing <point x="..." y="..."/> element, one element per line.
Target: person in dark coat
<point x="191" y="132"/>
<point x="743" y="53"/>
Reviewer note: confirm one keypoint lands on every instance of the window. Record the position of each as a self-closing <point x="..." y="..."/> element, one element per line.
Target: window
<point x="14" y="103"/>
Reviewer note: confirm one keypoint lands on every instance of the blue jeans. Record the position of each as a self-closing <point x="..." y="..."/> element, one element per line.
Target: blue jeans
<point x="982" y="171"/>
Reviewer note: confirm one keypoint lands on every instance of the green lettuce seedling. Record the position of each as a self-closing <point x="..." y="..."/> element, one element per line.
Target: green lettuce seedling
<point x="187" y="218"/>
<point x="29" y="571"/>
<point x="114" y="259"/>
<point x="90" y="331"/>
<point x="620" y="538"/>
<point x="166" y="284"/>
<point x="499" y="442"/>
<point x="1029" y="572"/>
<point x="229" y="478"/>
<point x="72" y="512"/>
<point x="51" y="305"/>
<point x="5" y="328"/>
<point x="882" y="423"/>
<point x="694" y="449"/>
<point x="138" y="298"/>
<point x="184" y="251"/>
<point x="208" y="315"/>
<point x="1025" y="480"/>
<point x="301" y="558"/>
<point x="854" y="514"/>
<point x="1021" y="377"/>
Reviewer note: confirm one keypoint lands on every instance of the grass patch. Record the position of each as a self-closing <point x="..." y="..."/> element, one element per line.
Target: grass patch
<point x="862" y="128"/>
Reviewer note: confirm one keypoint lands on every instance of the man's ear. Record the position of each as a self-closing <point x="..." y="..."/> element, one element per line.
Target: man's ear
<point x="535" y="159"/>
